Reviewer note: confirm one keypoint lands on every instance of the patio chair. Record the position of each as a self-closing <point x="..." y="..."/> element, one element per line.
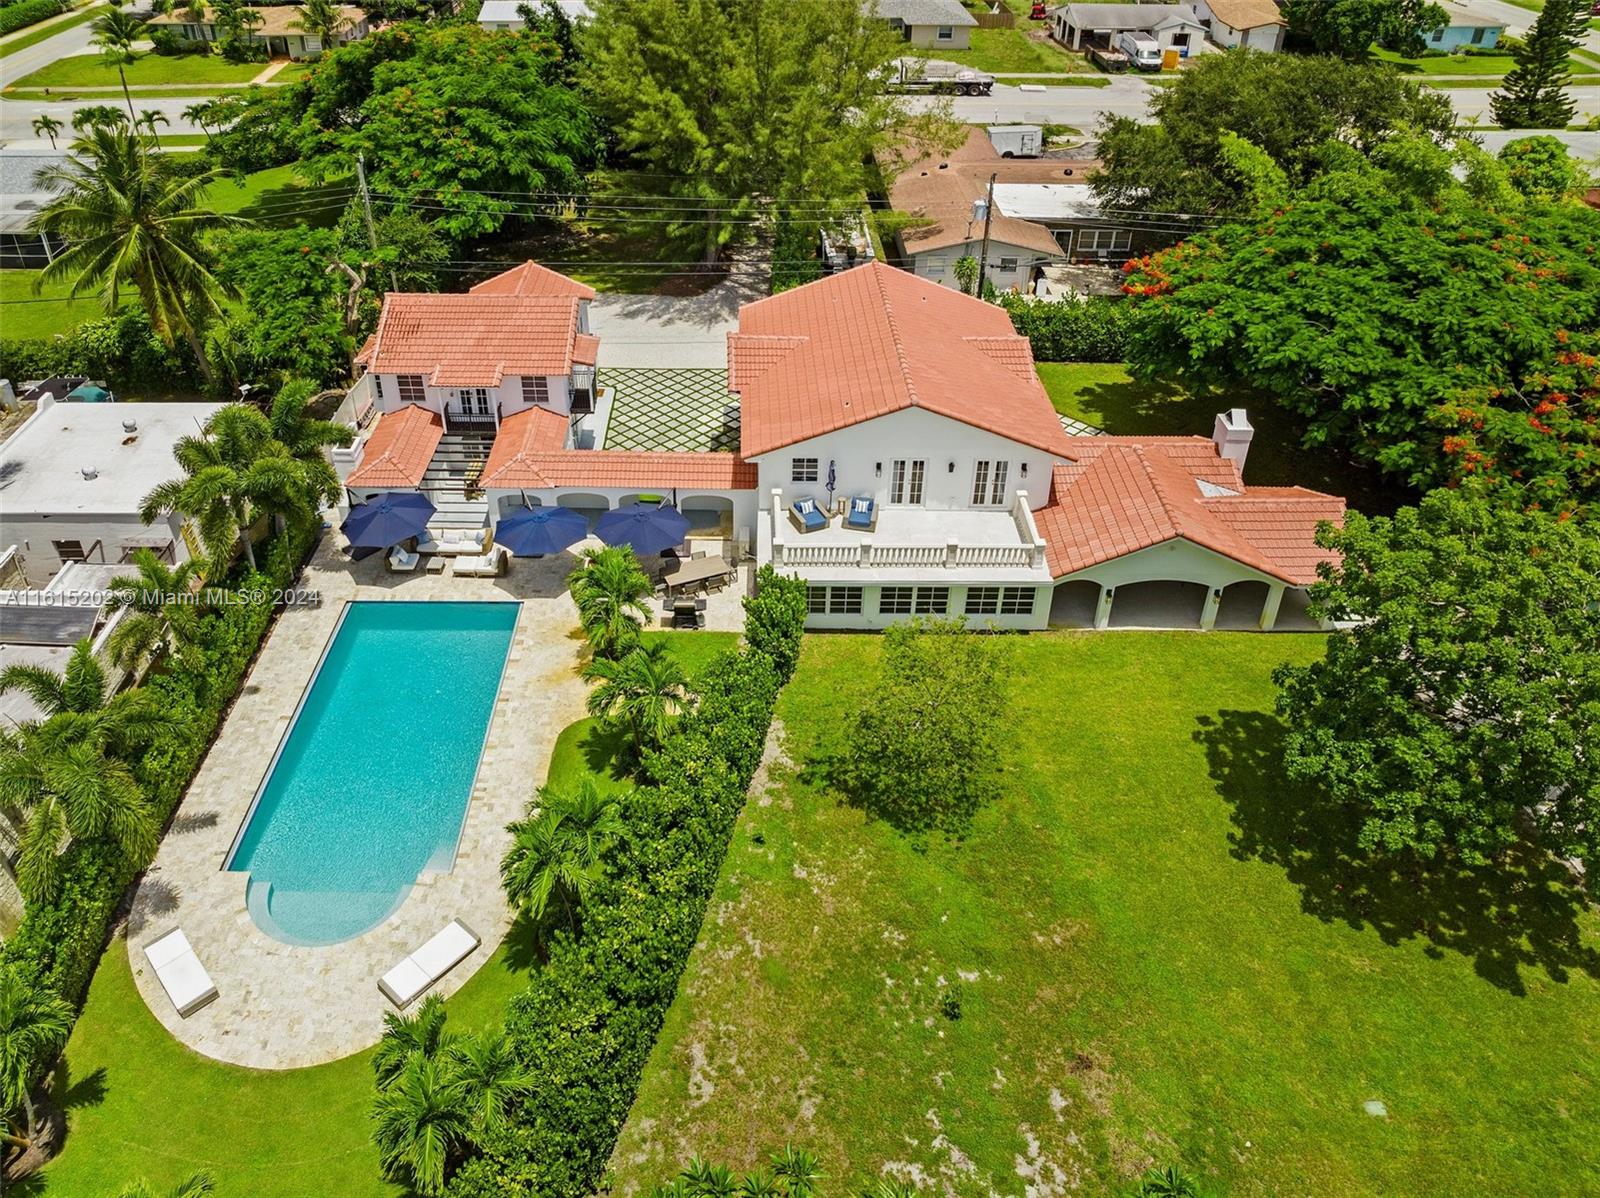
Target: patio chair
<point x="410" y="979"/>
<point x="806" y="515"/>
<point x="861" y="513"/>
<point x="403" y="562"/>
<point x="180" y="973"/>
<point x="485" y="565"/>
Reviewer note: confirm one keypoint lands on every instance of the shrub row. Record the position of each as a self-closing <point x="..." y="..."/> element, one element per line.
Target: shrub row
<point x="122" y="349"/>
<point x="28" y="12"/>
<point x="59" y="943"/>
<point x="589" y="1019"/>
<point x="1091" y="330"/>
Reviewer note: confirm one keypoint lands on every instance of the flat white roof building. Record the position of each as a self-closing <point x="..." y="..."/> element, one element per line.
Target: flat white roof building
<point x="72" y="479"/>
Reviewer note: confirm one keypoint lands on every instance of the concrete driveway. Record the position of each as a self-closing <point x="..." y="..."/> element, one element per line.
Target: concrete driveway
<point x="676" y="331"/>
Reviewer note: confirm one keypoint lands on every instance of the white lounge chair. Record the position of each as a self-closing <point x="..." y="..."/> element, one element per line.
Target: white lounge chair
<point x="451" y="542"/>
<point x="410" y="979"/>
<point x="402" y="562"/>
<point x="486" y="565"/>
<point x="182" y="976"/>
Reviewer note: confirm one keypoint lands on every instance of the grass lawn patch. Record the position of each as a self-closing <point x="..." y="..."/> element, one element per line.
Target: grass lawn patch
<point x="607" y="257"/>
<point x="278" y="196"/>
<point x="1577" y="80"/>
<point x="1059" y="80"/>
<point x="115" y="97"/>
<point x="1155" y="959"/>
<point x="24" y="315"/>
<point x="1445" y="64"/>
<point x="41" y="32"/>
<point x="87" y="70"/>
<point x="1108" y="397"/>
<point x="1008" y="50"/>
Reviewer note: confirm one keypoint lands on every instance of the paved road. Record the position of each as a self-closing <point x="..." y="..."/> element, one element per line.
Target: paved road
<point x="42" y="54"/>
<point x="1516" y="18"/>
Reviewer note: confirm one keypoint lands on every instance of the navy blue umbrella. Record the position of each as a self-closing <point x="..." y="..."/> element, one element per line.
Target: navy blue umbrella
<point x="833" y="481"/>
<point x="388" y="519"/>
<point x="532" y="532"/>
<point x="647" y="527"/>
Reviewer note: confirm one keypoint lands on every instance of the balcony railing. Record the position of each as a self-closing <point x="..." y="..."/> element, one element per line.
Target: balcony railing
<point x="1025" y="551"/>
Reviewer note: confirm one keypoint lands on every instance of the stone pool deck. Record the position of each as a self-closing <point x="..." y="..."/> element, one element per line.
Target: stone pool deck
<point x="280" y="1006"/>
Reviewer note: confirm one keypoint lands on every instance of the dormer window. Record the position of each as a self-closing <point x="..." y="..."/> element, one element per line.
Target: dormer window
<point x="535" y="389"/>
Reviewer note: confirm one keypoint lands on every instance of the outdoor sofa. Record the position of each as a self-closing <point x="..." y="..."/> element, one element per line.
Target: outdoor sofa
<point x="451" y="542"/>
<point x="807" y="516"/>
<point x="484" y="565"/>
<point x="861" y="513"/>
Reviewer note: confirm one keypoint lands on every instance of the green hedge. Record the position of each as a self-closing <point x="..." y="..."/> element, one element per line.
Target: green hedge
<point x="123" y="349"/>
<point x="589" y="1019"/>
<point x="1093" y="330"/>
<point x="28" y="12"/>
<point x="60" y="943"/>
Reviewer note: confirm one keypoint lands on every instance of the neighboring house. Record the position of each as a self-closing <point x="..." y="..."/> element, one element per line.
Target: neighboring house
<point x="935" y="24"/>
<point x="503" y="14"/>
<point x="41" y="626"/>
<point x="1247" y="24"/>
<point x="279" y="29"/>
<point x="1173" y="26"/>
<point x="1043" y="214"/>
<point x="871" y="383"/>
<point x="1465" y="29"/>
<point x="73" y="476"/>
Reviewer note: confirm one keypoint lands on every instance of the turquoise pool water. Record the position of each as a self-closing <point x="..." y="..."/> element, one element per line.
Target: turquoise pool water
<point x="372" y="781"/>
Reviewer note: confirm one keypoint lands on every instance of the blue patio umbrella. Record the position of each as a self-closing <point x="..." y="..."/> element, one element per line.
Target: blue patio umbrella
<point x="535" y="531"/>
<point x="388" y="519"/>
<point x="833" y="481"/>
<point x="647" y="527"/>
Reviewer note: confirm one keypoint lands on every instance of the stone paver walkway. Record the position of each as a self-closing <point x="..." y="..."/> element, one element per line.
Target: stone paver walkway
<point x="282" y="1006"/>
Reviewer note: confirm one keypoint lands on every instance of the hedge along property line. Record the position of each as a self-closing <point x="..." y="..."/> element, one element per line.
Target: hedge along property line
<point x="28" y="12"/>
<point x="122" y="348"/>
<point x="1090" y="330"/>
<point x="589" y="1019"/>
<point x="61" y="942"/>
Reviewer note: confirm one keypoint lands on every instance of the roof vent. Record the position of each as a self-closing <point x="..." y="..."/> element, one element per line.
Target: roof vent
<point x="130" y="425"/>
<point x="90" y="472"/>
<point x="944" y="166"/>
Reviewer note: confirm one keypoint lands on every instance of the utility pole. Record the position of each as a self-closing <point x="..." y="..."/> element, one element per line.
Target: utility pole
<point x="983" y="257"/>
<point x="372" y="231"/>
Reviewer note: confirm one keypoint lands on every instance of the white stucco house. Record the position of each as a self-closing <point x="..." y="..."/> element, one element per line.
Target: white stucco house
<point x="871" y="390"/>
<point x="1247" y="24"/>
<point x="72" y="478"/>
<point x="503" y="14"/>
<point x="931" y="24"/>
<point x="1173" y="26"/>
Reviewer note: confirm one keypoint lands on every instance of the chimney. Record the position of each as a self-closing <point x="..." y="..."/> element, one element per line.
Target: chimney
<point x="1232" y="435"/>
<point x="130" y="425"/>
<point x="90" y="472"/>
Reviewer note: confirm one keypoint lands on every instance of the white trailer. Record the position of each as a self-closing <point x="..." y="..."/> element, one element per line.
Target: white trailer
<point x="1017" y="141"/>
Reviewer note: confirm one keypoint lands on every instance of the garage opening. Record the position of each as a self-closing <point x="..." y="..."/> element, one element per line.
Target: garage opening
<point x="1241" y="606"/>
<point x="1158" y="605"/>
<point x="1073" y="604"/>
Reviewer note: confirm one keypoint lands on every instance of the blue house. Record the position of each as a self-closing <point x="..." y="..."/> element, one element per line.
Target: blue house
<point x="1466" y="29"/>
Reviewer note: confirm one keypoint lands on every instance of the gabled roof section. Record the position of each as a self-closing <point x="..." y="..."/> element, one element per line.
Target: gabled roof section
<point x="399" y="449"/>
<point x="1120" y="495"/>
<point x="875" y="340"/>
<point x="473" y="340"/>
<point x="532" y="279"/>
<point x="1245" y="14"/>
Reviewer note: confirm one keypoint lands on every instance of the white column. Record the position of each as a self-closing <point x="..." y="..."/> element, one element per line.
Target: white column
<point x="1269" y="609"/>
<point x="1208" y="613"/>
<point x="1102" y="611"/>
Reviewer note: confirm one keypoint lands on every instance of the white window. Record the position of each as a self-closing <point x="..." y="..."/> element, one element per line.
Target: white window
<point x="935" y="264"/>
<point x="894" y="601"/>
<point x="1008" y="264"/>
<point x="1477" y="35"/>
<point x="535" y="389"/>
<point x="816" y="600"/>
<point x="411" y="389"/>
<point x="989" y="482"/>
<point x="1017" y="601"/>
<point x="474" y="401"/>
<point x="1094" y="241"/>
<point x="803" y="470"/>
<point x="983" y="601"/>
<point x="905" y="480"/>
<point x="932" y="601"/>
<point x="377" y="385"/>
<point x="844" y="601"/>
<point x="946" y="32"/>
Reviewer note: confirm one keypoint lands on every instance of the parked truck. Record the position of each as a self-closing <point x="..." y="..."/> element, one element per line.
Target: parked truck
<point x="938" y="76"/>
<point x="1142" y="49"/>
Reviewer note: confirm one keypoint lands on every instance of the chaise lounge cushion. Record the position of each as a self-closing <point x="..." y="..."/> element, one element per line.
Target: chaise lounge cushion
<point x="407" y="981"/>
<point x="178" y="969"/>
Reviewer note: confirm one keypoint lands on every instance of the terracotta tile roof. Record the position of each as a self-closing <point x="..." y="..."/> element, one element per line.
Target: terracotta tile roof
<point x="467" y="340"/>
<point x="1121" y="495"/>
<point x="532" y="279"/>
<point x="528" y="453"/>
<point x="876" y="340"/>
<point x="398" y="449"/>
<point x="586" y="349"/>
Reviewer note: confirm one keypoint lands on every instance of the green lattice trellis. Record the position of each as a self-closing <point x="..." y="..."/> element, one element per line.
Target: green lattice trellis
<point x="681" y="409"/>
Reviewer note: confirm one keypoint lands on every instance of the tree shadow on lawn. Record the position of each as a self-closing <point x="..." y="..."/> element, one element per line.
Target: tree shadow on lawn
<point x="1522" y="913"/>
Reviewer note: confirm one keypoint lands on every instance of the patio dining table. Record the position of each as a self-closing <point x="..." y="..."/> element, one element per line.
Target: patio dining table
<point x="695" y="570"/>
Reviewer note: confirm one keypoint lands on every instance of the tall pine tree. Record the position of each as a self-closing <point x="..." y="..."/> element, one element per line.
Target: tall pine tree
<point x="1534" y="95"/>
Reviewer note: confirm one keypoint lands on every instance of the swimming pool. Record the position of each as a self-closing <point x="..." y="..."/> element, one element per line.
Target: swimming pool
<point x="370" y="784"/>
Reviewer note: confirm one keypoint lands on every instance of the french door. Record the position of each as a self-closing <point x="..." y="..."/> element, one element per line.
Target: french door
<point x="905" y="480"/>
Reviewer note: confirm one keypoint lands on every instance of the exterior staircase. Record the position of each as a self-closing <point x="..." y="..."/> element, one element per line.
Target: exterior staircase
<point x="457" y="463"/>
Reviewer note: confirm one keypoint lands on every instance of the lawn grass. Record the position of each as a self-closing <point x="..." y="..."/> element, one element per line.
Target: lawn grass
<point x="39" y="33"/>
<point x="114" y="97"/>
<point x="1007" y="50"/>
<point x="1058" y="81"/>
<point x="24" y="315"/>
<point x="1577" y="81"/>
<point x="278" y="196"/>
<point x="607" y="257"/>
<point x="1157" y="963"/>
<point x="88" y="70"/>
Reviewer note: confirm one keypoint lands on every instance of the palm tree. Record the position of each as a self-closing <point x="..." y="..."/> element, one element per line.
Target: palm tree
<point x="303" y="435"/>
<point x="115" y="34"/>
<point x="150" y="118"/>
<point x="612" y="594"/>
<point x="643" y="689"/>
<point x="323" y="19"/>
<point x="47" y="126"/>
<point x="420" y="1121"/>
<point x="490" y="1076"/>
<point x="156" y="597"/>
<point x="68" y="778"/>
<point x="34" y="1025"/>
<point x="558" y="849"/>
<point x="131" y="219"/>
<point x="406" y="1036"/>
<point x="196" y="1185"/>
